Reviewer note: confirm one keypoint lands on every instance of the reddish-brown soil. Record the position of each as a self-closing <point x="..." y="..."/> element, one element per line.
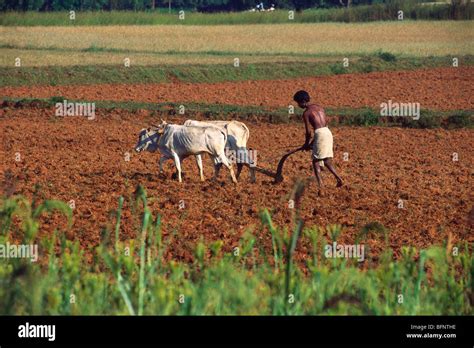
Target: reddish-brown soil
<point x="440" y="89"/>
<point x="73" y="158"/>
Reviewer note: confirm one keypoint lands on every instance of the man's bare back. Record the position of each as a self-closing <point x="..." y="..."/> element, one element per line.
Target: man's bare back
<point x="316" y="116"/>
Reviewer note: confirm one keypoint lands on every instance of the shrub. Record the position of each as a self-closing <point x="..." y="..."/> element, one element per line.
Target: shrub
<point x="386" y="56"/>
<point x="366" y="117"/>
<point x="426" y="121"/>
<point x="460" y="120"/>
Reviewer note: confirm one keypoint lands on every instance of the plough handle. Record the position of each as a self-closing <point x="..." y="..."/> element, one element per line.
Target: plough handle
<point x="278" y="175"/>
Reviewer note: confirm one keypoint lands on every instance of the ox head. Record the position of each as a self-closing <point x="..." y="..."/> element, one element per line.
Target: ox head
<point x="147" y="140"/>
<point x="148" y="137"/>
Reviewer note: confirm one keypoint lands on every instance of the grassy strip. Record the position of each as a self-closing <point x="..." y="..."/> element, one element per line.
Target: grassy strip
<point x="132" y="277"/>
<point x="338" y="116"/>
<point x="99" y="49"/>
<point x="83" y="75"/>
<point x="354" y="14"/>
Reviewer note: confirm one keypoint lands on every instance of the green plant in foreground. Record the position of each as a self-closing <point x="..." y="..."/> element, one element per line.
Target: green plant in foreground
<point x="134" y="276"/>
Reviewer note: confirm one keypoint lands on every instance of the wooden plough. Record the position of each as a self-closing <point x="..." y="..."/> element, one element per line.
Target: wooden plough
<point x="278" y="176"/>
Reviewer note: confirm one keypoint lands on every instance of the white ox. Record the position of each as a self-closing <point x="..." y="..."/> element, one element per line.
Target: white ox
<point x="237" y="137"/>
<point x="177" y="142"/>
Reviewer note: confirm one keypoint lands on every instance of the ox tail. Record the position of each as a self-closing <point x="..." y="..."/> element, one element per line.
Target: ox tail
<point x="247" y="133"/>
<point x="224" y="133"/>
<point x="247" y="157"/>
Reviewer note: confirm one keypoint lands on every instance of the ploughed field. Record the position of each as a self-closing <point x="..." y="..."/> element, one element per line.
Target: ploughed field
<point x="73" y="158"/>
<point x="437" y="88"/>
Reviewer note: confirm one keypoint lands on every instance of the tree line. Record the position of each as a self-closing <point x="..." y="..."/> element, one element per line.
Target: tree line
<point x="198" y="5"/>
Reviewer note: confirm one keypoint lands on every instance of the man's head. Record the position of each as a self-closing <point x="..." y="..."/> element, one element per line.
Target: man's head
<point x="302" y="98"/>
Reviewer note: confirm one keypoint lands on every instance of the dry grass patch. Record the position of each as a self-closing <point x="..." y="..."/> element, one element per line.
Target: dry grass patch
<point x="419" y="38"/>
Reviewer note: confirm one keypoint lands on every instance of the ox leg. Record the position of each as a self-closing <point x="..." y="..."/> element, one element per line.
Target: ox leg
<point x="162" y="160"/>
<point x="226" y="162"/>
<point x="249" y="161"/>
<point x="177" y="163"/>
<point x="239" y="169"/>
<point x="240" y="157"/>
<point x="217" y="167"/>
<point x="199" y="164"/>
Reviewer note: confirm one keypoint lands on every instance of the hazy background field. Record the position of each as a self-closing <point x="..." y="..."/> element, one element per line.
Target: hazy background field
<point x="173" y="44"/>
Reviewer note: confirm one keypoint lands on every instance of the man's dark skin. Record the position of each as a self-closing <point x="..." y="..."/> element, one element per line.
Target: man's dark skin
<point x="315" y="117"/>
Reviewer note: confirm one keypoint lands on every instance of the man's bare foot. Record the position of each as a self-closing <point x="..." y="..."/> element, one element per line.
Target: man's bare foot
<point x="339" y="183"/>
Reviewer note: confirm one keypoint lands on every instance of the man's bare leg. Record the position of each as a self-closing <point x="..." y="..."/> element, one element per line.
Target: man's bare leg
<point x="328" y="164"/>
<point x="321" y="165"/>
<point x="317" y="173"/>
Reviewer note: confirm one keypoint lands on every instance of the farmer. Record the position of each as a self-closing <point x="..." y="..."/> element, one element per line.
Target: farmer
<point x="322" y="143"/>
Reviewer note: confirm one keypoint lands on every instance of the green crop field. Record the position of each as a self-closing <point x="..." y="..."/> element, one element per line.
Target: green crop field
<point x="132" y="278"/>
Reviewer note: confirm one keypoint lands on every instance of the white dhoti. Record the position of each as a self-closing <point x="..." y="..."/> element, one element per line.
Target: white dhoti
<point x="322" y="146"/>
